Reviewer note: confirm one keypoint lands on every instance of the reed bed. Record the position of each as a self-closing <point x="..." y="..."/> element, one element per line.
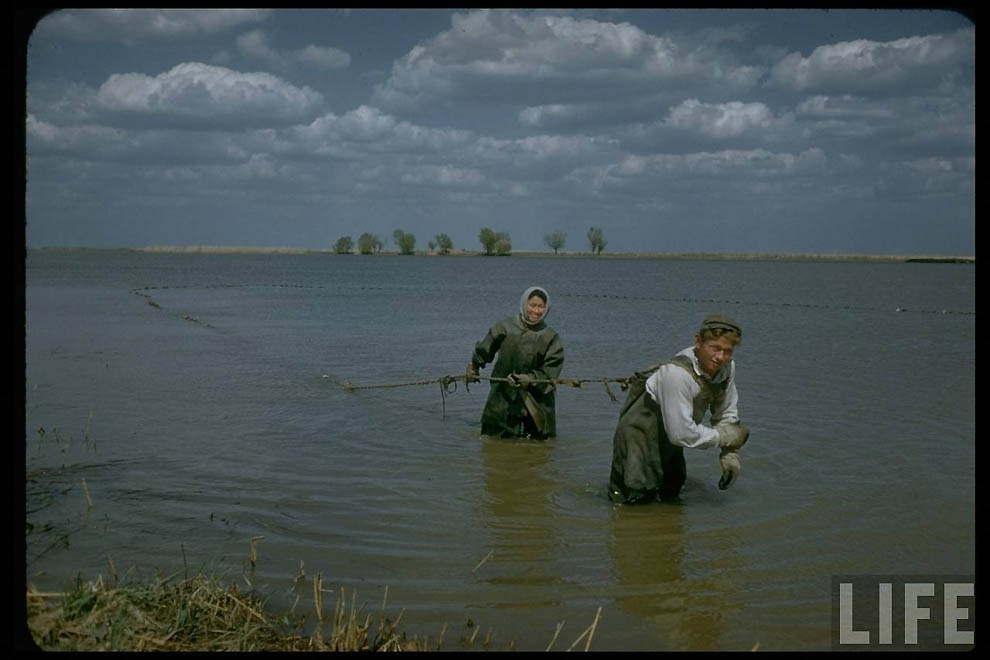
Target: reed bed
<point x="203" y="613"/>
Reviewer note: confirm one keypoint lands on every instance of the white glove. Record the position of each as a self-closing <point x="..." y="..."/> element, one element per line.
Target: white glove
<point x="732" y="436"/>
<point x="729" y="460"/>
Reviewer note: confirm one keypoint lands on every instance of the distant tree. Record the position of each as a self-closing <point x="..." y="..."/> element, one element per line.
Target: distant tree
<point x="495" y="242"/>
<point x="503" y="244"/>
<point x="344" y="245"/>
<point x="404" y="241"/>
<point x="379" y="244"/>
<point x="596" y="239"/>
<point x="488" y="239"/>
<point x="432" y="245"/>
<point x="368" y="243"/>
<point x="555" y="240"/>
<point x="443" y="243"/>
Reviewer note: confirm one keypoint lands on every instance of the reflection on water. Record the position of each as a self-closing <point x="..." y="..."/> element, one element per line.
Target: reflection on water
<point x="687" y="610"/>
<point x="518" y="491"/>
<point x="196" y="436"/>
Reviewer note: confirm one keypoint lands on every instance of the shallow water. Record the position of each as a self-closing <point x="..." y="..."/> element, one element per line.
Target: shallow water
<point x="196" y="401"/>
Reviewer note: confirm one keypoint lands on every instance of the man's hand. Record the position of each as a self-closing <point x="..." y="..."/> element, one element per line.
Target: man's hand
<point x="732" y="436"/>
<point x="520" y="380"/>
<point x="471" y="375"/>
<point x="729" y="461"/>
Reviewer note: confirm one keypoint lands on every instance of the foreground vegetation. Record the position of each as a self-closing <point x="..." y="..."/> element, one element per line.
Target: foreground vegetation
<point x="208" y="611"/>
<point x="203" y="614"/>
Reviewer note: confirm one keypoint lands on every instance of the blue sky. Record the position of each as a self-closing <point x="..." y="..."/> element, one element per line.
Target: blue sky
<point x="769" y="131"/>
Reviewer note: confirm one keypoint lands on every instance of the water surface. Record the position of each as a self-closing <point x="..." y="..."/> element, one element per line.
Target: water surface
<point x="198" y="397"/>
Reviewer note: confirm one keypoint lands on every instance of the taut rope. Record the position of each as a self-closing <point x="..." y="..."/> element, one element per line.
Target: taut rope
<point x="448" y="384"/>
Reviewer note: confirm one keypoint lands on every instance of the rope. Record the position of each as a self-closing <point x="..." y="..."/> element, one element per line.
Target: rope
<point x="448" y="384"/>
<point x="446" y="381"/>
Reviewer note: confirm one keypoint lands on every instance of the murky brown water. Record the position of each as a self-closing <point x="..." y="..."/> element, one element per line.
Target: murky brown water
<point x="214" y="417"/>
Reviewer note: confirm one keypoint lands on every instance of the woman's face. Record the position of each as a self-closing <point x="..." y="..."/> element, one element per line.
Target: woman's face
<point x="535" y="309"/>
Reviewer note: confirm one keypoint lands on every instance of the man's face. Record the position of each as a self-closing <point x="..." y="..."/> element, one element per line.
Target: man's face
<point x="713" y="353"/>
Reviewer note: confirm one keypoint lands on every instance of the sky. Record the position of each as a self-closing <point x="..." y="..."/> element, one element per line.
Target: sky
<point x="742" y="131"/>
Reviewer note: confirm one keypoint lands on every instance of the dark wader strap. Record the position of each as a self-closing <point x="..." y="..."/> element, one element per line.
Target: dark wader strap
<point x="637" y="386"/>
<point x="707" y="386"/>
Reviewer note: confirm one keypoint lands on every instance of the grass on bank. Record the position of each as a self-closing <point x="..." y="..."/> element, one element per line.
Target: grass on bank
<point x="203" y="614"/>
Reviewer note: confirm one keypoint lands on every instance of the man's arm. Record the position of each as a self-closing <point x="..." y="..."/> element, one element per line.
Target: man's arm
<point x="675" y="390"/>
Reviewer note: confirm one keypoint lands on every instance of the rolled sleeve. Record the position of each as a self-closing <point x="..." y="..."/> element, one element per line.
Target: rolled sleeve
<point x="674" y="390"/>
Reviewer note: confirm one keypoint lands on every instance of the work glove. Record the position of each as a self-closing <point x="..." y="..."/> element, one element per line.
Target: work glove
<point x="471" y="375"/>
<point x="732" y="436"/>
<point x="729" y="461"/>
<point x="520" y="380"/>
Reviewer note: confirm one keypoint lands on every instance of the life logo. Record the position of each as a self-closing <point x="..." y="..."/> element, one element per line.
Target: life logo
<point x="903" y="612"/>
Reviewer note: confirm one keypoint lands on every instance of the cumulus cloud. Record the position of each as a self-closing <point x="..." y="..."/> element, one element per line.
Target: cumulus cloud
<point x="542" y="59"/>
<point x="842" y="106"/>
<point x="369" y="130"/>
<point x="254" y="44"/>
<point x="194" y="94"/>
<point x="675" y="169"/>
<point x="866" y="65"/>
<point x="48" y="138"/>
<point x="324" y="56"/>
<point x="720" y="120"/>
<point x="133" y="26"/>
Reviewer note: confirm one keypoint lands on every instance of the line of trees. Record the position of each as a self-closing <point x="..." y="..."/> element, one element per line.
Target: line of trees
<point x="494" y="243"/>
<point x="555" y="240"/>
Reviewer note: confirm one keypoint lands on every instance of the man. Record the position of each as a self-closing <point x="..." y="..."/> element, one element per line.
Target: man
<point x="663" y="414"/>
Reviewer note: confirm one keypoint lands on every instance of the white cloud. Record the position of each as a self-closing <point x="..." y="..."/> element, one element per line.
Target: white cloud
<point x="870" y="65"/>
<point x="254" y="44"/>
<point x="843" y="106"/>
<point x="195" y="93"/>
<point x="133" y="26"/>
<point x="544" y="58"/>
<point x="720" y="120"/>
<point x="324" y="56"/>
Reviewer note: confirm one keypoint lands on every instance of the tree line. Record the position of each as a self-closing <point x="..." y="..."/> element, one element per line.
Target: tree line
<point x="494" y="243"/>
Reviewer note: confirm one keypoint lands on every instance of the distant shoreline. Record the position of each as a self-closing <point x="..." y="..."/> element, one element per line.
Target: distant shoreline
<point x="218" y="249"/>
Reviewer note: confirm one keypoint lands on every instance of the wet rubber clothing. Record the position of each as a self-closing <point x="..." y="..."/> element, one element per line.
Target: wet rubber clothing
<point x="646" y="466"/>
<point x="534" y="349"/>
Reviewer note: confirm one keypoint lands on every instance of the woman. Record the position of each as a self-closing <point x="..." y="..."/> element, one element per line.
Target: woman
<point x="530" y="357"/>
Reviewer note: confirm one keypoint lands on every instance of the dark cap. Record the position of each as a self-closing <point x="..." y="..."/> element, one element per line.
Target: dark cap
<point x="720" y="322"/>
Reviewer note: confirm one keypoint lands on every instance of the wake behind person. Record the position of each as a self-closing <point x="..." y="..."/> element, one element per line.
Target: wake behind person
<point x="530" y="355"/>
<point x="663" y="414"/>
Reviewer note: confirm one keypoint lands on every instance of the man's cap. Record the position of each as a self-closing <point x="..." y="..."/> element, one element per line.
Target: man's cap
<point x="721" y="322"/>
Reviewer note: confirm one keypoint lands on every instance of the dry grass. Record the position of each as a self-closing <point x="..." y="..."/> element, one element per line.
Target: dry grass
<point x="204" y="614"/>
<point x="198" y="614"/>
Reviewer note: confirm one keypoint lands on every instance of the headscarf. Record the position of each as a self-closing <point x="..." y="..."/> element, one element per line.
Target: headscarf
<point x="527" y="294"/>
